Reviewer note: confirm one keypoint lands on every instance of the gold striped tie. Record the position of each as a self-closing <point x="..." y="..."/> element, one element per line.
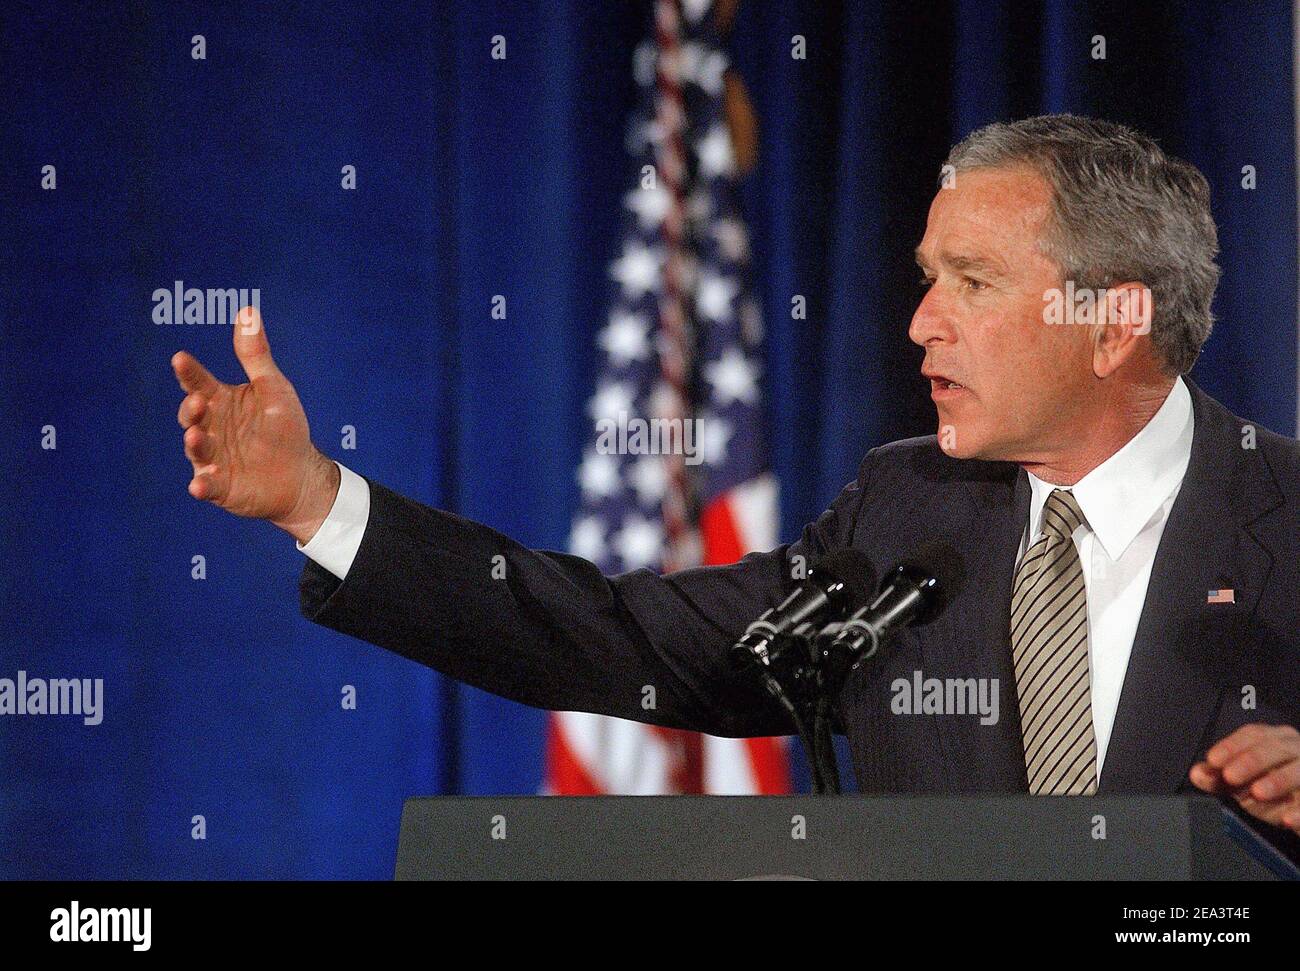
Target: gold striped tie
<point x="1049" y="644"/>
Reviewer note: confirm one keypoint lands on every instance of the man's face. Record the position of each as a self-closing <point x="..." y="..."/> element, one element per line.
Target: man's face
<point x="1024" y="383"/>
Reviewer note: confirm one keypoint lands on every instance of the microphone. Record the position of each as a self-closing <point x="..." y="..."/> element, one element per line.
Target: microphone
<point x="914" y="592"/>
<point x="834" y="582"/>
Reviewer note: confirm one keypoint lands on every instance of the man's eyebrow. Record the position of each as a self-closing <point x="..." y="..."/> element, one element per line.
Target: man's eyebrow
<point x="962" y="263"/>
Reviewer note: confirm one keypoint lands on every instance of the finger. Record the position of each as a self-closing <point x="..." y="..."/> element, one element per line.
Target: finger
<point x="1226" y="749"/>
<point x="192" y="410"/>
<point x="205" y="485"/>
<point x="1280" y="783"/>
<point x="1248" y="765"/>
<point x="252" y="347"/>
<point x="192" y="375"/>
<point x="1207" y="778"/>
<point x="200" y="447"/>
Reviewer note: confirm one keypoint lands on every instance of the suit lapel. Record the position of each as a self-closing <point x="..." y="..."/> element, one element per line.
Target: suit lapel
<point x="1187" y="652"/>
<point x="971" y="638"/>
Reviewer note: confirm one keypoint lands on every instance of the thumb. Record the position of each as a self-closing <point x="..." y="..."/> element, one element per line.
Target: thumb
<point x="252" y="347"/>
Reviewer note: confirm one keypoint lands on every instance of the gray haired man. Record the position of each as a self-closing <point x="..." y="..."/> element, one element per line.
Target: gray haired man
<point x="1132" y="544"/>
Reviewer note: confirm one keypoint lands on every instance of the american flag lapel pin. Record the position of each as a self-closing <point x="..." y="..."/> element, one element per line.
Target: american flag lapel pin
<point x="1226" y="596"/>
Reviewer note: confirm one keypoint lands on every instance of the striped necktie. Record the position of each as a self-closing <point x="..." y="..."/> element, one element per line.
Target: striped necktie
<point x="1049" y="645"/>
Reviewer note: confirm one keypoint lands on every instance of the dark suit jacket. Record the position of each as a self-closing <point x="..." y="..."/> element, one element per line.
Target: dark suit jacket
<point x="555" y="633"/>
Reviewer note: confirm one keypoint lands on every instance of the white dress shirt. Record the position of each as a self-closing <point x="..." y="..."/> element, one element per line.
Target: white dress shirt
<point x="336" y="543"/>
<point x="1125" y="500"/>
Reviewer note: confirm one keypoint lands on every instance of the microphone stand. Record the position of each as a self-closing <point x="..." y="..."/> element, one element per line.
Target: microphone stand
<point x="796" y="679"/>
<point x="806" y="668"/>
<point x="824" y="736"/>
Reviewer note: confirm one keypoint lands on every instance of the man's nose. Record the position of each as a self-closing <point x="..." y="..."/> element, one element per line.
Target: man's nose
<point x="931" y="320"/>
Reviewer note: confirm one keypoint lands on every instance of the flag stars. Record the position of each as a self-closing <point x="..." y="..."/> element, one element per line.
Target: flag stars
<point x="703" y="66"/>
<point x="715" y="152"/>
<point x="598" y="475"/>
<point x="639" y="543"/>
<point x="588" y="539"/>
<point x="714" y="296"/>
<point x="643" y="63"/>
<point x="693" y="52"/>
<point x="637" y="270"/>
<point x="707" y="69"/>
<point x="625" y="338"/>
<point x="650" y="204"/>
<point x="613" y="398"/>
<point x="694" y="10"/>
<point x="649" y="478"/>
<point x="648" y="358"/>
<point x="732" y="239"/>
<point x="734" y="377"/>
<point x="715" y="436"/>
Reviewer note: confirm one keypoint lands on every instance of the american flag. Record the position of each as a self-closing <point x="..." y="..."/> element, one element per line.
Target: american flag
<point x="1221" y="597"/>
<point x="682" y="344"/>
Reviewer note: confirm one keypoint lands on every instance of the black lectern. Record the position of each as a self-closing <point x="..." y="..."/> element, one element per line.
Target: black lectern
<point x="829" y="838"/>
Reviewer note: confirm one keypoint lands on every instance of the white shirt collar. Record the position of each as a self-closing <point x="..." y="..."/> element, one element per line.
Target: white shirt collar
<point x="1121" y="495"/>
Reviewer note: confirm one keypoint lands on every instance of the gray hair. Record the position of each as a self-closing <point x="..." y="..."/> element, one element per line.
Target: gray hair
<point x="1122" y="210"/>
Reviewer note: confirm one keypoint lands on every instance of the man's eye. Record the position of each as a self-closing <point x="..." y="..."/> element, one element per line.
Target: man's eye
<point x="925" y="283"/>
<point x="973" y="284"/>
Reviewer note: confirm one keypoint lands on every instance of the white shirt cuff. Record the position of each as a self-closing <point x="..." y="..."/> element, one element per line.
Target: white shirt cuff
<point x="336" y="543"/>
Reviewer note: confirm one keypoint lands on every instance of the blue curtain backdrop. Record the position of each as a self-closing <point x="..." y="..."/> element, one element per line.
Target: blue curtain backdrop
<point x="475" y="177"/>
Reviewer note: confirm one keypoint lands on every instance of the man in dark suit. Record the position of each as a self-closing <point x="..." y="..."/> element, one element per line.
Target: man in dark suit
<point x="1130" y="546"/>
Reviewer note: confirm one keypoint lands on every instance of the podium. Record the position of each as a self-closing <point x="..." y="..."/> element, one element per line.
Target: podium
<point x="830" y="838"/>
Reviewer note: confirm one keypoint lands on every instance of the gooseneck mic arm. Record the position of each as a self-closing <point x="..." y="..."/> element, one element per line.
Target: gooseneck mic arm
<point x="834" y="583"/>
<point x="804" y="649"/>
<point x="913" y="592"/>
<point x="779" y="647"/>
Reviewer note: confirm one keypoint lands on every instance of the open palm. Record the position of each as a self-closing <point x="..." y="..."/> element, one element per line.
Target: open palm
<point x="250" y="444"/>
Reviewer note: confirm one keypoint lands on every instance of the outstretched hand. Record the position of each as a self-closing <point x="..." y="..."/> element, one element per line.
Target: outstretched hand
<point x="250" y="444"/>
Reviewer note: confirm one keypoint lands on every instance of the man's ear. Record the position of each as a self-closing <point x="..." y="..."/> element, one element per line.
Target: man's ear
<point x="1127" y="321"/>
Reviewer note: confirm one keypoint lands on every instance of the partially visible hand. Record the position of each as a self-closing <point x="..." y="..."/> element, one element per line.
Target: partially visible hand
<point x="249" y="443"/>
<point x="1259" y="766"/>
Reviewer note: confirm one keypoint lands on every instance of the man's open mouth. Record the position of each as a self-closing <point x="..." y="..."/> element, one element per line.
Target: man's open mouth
<point x="940" y="382"/>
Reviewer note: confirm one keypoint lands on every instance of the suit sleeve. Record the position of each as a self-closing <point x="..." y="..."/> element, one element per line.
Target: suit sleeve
<point x="549" y="630"/>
